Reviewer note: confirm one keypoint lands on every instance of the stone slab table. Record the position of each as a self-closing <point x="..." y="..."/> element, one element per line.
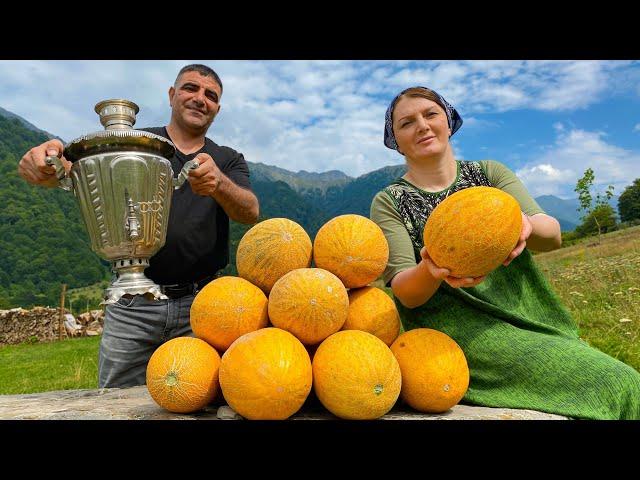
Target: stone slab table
<point x="135" y="403"/>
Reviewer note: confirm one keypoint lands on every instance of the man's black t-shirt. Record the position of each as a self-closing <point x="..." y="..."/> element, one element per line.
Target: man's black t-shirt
<point x="197" y="243"/>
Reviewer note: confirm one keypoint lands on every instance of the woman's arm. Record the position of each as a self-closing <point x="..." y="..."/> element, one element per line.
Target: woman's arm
<point x="415" y="286"/>
<point x="540" y="233"/>
<point x="545" y="235"/>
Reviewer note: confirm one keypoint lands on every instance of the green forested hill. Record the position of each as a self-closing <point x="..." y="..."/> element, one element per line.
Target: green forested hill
<point x="356" y="196"/>
<point x="277" y="199"/>
<point x="303" y="182"/>
<point x="43" y="241"/>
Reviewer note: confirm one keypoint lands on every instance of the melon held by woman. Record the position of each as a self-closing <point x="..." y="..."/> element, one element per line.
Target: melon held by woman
<point x="472" y="231"/>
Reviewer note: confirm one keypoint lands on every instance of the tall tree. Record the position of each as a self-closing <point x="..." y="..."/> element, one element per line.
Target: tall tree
<point x="629" y="202"/>
<point x="587" y="203"/>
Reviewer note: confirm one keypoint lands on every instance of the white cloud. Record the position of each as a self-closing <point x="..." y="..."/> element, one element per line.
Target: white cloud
<point x="560" y="166"/>
<point x="312" y="115"/>
<point x="502" y="85"/>
<point x="637" y="127"/>
<point x="544" y="179"/>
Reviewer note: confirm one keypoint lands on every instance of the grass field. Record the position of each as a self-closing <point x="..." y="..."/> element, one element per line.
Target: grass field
<point x="64" y="365"/>
<point x="600" y="285"/>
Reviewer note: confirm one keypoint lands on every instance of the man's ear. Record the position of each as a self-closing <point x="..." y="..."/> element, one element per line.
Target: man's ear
<point x="172" y="92"/>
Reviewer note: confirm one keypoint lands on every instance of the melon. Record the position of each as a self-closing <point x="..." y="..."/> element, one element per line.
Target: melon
<point x="270" y="249"/>
<point x="356" y="376"/>
<point x="353" y="248"/>
<point x="472" y="232"/>
<point x="373" y="311"/>
<point x="311" y="303"/>
<point x="266" y="375"/>
<point x="435" y="374"/>
<point x="227" y="308"/>
<point x="182" y="374"/>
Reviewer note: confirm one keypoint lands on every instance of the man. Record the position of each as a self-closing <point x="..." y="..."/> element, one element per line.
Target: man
<point x="197" y="242"/>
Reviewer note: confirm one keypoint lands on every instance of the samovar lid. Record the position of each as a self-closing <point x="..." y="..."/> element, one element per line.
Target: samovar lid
<point x="118" y="117"/>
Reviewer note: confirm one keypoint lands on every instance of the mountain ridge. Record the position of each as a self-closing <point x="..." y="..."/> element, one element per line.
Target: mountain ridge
<point x="336" y="192"/>
<point x="42" y="251"/>
<point x="27" y="124"/>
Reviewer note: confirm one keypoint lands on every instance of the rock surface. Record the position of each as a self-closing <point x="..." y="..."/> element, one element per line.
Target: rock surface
<point x="134" y="403"/>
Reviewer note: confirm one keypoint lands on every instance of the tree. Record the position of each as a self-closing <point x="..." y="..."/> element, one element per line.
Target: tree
<point x="629" y="202"/>
<point x="602" y="217"/>
<point x="591" y="209"/>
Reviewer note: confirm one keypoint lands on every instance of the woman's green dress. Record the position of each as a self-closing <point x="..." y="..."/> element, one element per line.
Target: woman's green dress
<point x="521" y="343"/>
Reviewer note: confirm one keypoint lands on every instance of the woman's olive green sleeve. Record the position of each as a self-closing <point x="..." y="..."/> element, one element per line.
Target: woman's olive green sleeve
<point x="504" y="179"/>
<point x="401" y="256"/>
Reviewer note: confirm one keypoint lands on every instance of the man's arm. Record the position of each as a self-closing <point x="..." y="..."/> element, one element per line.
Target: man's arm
<point x="240" y="204"/>
<point x="32" y="166"/>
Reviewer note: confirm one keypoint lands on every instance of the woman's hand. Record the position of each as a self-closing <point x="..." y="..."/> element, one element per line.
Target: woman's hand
<point x="525" y="232"/>
<point x="445" y="274"/>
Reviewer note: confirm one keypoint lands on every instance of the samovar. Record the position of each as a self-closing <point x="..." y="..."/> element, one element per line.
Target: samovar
<point x="123" y="181"/>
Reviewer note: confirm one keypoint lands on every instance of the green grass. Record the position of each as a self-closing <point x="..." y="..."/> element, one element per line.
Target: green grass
<point x="64" y="365"/>
<point x="599" y="284"/>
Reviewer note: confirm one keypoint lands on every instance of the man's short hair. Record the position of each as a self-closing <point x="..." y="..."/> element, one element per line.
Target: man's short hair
<point x="202" y="70"/>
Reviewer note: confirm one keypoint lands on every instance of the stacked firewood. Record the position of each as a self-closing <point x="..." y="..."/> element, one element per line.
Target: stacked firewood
<point x="42" y="324"/>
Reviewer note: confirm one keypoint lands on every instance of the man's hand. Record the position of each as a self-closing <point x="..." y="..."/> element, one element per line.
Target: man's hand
<point x="525" y="232"/>
<point x="445" y="274"/>
<point x="205" y="179"/>
<point x="33" y="168"/>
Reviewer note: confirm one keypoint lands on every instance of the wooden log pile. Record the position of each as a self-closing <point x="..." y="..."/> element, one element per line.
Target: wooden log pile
<point x="41" y="324"/>
<point x="91" y="322"/>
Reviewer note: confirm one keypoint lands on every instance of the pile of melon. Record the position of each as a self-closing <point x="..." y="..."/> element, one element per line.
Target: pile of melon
<point x="302" y="318"/>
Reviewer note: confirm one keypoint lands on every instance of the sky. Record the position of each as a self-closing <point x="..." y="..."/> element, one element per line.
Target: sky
<point x="548" y="121"/>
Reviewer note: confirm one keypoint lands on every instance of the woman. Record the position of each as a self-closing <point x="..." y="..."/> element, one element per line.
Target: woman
<point x="521" y="344"/>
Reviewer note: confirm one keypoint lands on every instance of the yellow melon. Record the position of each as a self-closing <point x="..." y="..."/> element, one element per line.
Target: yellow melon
<point x="182" y="374"/>
<point x="270" y="249"/>
<point x="373" y="311"/>
<point x="353" y="248"/>
<point x="227" y="308"/>
<point x="435" y="374"/>
<point x="266" y="375"/>
<point x="311" y="303"/>
<point x="473" y="231"/>
<point x="356" y="376"/>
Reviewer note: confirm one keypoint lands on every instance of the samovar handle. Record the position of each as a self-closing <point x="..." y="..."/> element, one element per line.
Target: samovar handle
<point x="184" y="173"/>
<point x="65" y="182"/>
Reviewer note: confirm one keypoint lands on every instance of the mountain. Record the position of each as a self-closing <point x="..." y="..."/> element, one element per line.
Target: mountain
<point x="44" y="241"/>
<point x="307" y="183"/>
<point x="42" y="237"/>
<point x="355" y="197"/>
<point x="30" y="126"/>
<point x="566" y="211"/>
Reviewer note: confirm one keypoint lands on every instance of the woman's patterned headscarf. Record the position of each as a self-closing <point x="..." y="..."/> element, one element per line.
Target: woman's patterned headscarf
<point x="453" y="118"/>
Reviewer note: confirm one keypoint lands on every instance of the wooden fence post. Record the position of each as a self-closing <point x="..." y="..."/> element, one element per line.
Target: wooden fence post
<point x="60" y="319"/>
